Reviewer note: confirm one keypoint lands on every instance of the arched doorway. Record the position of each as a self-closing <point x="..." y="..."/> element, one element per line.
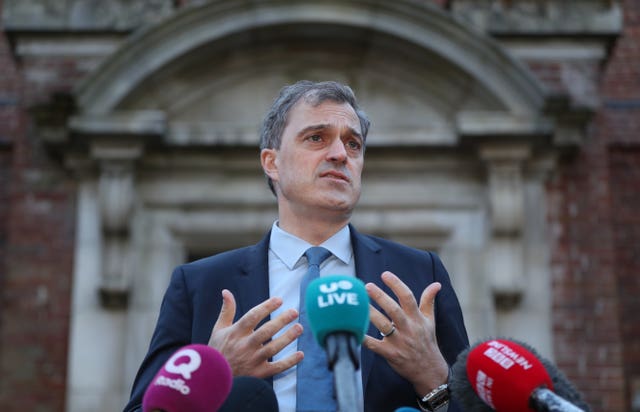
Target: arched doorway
<point x="165" y="144"/>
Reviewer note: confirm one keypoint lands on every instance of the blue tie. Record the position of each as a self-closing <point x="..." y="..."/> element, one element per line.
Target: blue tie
<point x="314" y="387"/>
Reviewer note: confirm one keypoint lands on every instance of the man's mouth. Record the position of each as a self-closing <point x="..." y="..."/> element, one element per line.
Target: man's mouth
<point x="335" y="175"/>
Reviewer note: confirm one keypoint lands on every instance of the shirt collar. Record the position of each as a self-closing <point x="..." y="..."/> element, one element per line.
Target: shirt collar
<point x="289" y="248"/>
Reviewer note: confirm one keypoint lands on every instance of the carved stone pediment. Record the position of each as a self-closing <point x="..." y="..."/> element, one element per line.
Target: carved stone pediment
<point x="24" y="15"/>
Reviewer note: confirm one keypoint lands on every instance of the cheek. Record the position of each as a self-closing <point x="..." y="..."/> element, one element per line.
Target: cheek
<point x="295" y="168"/>
<point x="356" y="170"/>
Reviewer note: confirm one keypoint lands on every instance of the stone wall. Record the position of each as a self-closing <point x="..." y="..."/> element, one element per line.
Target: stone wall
<point x="592" y="207"/>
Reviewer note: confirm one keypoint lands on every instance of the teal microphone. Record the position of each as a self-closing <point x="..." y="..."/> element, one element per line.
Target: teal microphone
<point x="337" y="303"/>
<point x="338" y="311"/>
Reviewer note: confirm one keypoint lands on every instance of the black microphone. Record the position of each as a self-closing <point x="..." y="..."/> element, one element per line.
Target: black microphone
<point x="504" y="375"/>
<point x="338" y="310"/>
<point x="249" y="394"/>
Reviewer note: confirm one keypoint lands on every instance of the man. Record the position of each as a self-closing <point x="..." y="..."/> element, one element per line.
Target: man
<point x="244" y="302"/>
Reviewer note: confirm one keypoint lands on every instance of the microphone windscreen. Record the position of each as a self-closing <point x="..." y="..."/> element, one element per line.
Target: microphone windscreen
<point x="460" y="387"/>
<point x="504" y="374"/>
<point x="196" y="378"/>
<point x="464" y="392"/>
<point x="249" y="394"/>
<point x="337" y="303"/>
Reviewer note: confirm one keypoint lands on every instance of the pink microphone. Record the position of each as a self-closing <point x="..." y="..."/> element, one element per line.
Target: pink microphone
<point x="196" y="378"/>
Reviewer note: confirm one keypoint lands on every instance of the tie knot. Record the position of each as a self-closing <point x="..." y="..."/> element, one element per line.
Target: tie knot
<point x="316" y="255"/>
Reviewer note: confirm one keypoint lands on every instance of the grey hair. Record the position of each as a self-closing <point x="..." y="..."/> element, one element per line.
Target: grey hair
<point x="313" y="93"/>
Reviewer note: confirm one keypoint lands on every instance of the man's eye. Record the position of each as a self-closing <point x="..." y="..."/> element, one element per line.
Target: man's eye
<point x="354" y="145"/>
<point x="315" y="138"/>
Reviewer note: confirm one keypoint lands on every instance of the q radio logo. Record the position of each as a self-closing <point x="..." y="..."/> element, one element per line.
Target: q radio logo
<point x="184" y="369"/>
<point x="337" y="293"/>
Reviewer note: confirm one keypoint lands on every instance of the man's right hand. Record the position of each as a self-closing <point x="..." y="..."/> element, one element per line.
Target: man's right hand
<point x="248" y="349"/>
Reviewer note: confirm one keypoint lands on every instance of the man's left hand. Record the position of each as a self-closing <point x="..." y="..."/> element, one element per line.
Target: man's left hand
<point x="412" y="348"/>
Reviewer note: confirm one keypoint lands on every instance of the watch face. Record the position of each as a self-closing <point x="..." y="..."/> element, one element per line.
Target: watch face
<point x="438" y="398"/>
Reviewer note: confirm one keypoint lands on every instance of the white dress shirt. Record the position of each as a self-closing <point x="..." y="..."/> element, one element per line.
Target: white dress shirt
<point x="287" y="266"/>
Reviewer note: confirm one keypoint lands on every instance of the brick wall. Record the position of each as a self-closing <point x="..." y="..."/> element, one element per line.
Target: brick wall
<point x="595" y="253"/>
<point x="9" y="113"/>
<point x="36" y="249"/>
<point x="625" y="171"/>
<point x="585" y="324"/>
<point x="7" y="110"/>
<point x="5" y="167"/>
<point x="593" y="209"/>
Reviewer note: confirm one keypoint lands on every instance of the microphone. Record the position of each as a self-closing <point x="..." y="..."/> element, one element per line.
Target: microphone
<point x="250" y="394"/>
<point x="196" y="378"/>
<point x="506" y="375"/>
<point x="338" y="310"/>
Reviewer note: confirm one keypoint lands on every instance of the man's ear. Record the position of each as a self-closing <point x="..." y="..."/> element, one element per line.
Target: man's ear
<point x="268" y="162"/>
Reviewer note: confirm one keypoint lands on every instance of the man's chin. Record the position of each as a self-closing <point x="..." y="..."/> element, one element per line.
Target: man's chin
<point x="340" y="205"/>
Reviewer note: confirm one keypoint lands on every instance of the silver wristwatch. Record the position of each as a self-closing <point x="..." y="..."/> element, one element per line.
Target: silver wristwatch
<point x="436" y="399"/>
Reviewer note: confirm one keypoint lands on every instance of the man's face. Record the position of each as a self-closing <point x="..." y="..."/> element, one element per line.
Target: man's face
<point x="319" y="164"/>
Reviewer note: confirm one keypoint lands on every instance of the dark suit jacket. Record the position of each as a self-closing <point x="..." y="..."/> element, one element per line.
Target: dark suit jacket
<point x="193" y="299"/>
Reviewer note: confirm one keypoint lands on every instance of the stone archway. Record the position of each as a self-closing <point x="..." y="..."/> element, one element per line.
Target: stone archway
<point x="165" y="144"/>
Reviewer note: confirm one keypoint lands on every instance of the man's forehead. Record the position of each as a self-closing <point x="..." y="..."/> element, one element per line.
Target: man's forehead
<point x="327" y="109"/>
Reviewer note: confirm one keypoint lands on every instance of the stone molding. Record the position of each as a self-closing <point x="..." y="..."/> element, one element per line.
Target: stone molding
<point x="419" y="23"/>
<point x="536" y="17"/>
<point x="57" y="15"/>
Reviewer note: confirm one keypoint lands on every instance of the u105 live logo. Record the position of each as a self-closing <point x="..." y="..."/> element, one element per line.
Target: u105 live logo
<point x="337" y="293"/>
<point x="185" y="369"/>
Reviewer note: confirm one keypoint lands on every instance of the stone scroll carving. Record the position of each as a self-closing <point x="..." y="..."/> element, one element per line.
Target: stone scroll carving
<point x="505" y="266"/>
<point x="116" y="195"/>
<point x="116" y="142"/>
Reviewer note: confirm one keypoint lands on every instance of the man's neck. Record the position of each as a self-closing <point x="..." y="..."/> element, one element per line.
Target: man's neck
<point x="314" y="231"/>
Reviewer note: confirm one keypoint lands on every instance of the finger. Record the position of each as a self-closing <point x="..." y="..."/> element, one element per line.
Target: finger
<point x="405" y="296"/>
<point x="270" y="328"/>
<point x="428" y="298"/>
<point x="374" y="345"/>
<point x="227" y="312"/>
<point x="276" y="345"/>
<point x="379" y="320"/>
<point x="386" y="302"/>
<point x="283" y="364"/>
<point x="250" y="320"/>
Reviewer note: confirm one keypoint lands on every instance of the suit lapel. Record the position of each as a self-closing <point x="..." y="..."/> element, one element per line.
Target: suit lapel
<point x="253" y="280"/>
<point x="369" y="267"/>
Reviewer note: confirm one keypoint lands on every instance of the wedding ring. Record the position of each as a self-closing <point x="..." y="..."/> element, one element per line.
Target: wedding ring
<point x="386" y="335"/>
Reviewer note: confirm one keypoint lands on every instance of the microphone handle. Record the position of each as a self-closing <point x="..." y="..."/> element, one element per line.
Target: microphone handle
<point x="544" y="400"/>
<point x="341" y="348"/>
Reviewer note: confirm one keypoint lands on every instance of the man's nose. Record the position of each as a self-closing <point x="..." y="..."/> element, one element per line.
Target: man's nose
<point x="337" y="152"/>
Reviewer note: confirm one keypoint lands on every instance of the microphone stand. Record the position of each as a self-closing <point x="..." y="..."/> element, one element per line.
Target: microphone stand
<point x="342" y="355"/>
<point x="544" y="400"/>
